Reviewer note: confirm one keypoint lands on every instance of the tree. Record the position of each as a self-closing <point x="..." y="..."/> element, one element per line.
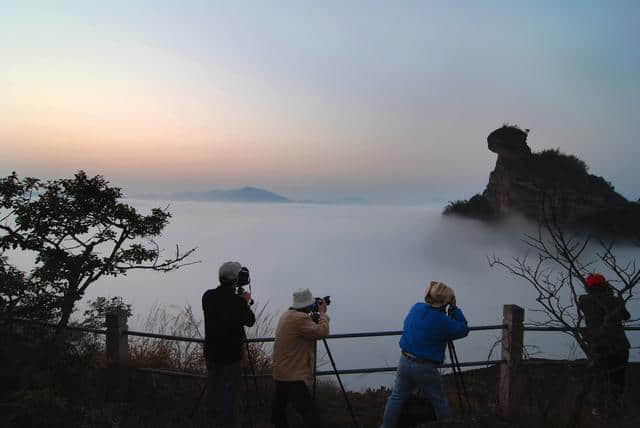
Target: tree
<point x="21" y="297"/>
<point x="558" y="273"/>
<point x="559" y="270"/>
<point x="79" y="231"/>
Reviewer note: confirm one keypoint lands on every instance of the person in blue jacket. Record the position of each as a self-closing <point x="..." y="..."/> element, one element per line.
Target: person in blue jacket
<point x="427" y="329"/>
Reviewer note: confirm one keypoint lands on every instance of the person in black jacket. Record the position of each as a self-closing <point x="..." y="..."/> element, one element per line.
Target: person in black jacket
<point x="608" y="345"/>
<point x="225" y="315"/>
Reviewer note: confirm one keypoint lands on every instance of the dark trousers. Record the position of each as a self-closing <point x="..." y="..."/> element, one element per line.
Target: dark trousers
<point x="298" y="393"/>
<point x="222" y="390"/>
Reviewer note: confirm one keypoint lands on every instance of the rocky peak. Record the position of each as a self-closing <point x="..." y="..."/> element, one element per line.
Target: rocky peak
<point x="532" y="183"/>
<point x="509" y="141"/>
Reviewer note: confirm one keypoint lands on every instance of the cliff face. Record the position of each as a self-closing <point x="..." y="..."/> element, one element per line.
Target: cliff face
<point x="509" y="186"/>
<point x="549" y="181"/>
<point x="521" y="181"/>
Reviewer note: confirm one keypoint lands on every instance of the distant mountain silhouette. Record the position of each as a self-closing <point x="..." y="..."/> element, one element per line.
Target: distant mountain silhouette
<point x="248" y="194"/>
<point x="245" y="194"/>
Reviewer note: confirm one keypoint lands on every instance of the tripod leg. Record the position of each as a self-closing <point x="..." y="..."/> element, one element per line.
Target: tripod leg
<point x="454" y="366"/>
<point x="464" y="387"/>
<point x="344" y="393"/>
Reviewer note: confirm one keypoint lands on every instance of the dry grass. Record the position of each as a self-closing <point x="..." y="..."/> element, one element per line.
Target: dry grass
<point x="188" y="356"/>
<point x="164" y="353"/>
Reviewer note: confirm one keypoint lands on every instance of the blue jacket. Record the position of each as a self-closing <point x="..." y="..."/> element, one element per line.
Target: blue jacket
<point x="427" y="331"/>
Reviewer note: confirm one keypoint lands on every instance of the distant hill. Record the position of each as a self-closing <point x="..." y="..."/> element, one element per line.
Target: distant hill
<point x="245" y="194"/>
<point x="248" y="194"/>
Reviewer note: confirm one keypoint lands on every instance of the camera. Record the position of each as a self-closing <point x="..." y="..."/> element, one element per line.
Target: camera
<point x="315" y="309"/>
<point x="243" y="279"/>
<point x="318" y="302"/>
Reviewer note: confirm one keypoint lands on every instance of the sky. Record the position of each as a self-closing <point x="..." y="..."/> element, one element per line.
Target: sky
<point x="390" y="101"/>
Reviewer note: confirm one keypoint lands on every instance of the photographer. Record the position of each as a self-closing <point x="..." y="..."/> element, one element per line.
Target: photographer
<point x="294" y="357"/>
<point x="603" y="314"/>
<point x="225" y="315"/>
<point x="427" y="329"/>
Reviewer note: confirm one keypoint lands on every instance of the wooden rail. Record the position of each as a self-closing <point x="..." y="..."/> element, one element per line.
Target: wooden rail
<point x="513" y="328"/>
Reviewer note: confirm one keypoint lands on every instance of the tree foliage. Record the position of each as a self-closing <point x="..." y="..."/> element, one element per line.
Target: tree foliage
<point x="98" y="308"/>
<point x="20" y="296"/>
<point x="477" y="207"/>
<point x="552" y="168"/>
<point x="78" y="230"/>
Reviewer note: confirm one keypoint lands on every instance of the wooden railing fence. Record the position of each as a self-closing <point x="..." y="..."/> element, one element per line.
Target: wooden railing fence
<point x="117" y="350"/>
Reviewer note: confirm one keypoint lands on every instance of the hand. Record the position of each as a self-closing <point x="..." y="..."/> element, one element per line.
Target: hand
<point x="452" y="303"/>
<point x="246" y="296"/>
<point x="322" y="307"/>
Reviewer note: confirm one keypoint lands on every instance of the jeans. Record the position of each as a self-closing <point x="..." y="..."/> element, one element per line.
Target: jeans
<point x="298" y="393"/>
<point x="222" y="385"/>
<point x="409" y="375"/>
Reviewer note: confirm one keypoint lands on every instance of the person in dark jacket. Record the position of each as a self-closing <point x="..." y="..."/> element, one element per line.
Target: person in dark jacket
<point x="427" y="329"/>
<point x="225" y="315"/>
<point x="608" y="345"/>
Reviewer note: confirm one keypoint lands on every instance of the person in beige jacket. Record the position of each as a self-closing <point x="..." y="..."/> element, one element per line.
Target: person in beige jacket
<point x="294" y="358"/>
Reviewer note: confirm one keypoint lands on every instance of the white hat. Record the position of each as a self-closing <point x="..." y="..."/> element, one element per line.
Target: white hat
<point x="302" y="298"/>
<point x="228" y="272"/>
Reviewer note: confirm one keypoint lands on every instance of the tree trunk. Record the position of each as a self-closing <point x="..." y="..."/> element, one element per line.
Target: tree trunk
<point x="68" y="302"/>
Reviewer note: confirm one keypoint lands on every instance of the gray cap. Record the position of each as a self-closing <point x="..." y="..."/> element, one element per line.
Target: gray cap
<point x="228" y="272"/>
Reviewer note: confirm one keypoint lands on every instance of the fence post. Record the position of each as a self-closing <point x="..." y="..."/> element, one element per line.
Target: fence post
<point x="512" y="347"/>
<point x="117" y="338"/>
<point x="117" y="347"/>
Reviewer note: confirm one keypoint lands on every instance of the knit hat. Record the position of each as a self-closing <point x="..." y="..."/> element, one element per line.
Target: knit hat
<point x="439" y="294"/>
<point x="302" y="298"/>
<point x="228" y="272"/>
<point x="596" y="280"/>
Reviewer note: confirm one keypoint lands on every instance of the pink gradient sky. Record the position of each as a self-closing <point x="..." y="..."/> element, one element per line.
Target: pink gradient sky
<point x="389" y="103"/>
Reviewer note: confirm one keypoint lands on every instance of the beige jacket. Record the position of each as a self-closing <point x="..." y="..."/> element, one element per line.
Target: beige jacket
<point x="293" y="356"/>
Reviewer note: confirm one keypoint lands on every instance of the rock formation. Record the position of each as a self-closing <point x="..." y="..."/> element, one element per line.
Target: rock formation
<point x="545" y="183"/>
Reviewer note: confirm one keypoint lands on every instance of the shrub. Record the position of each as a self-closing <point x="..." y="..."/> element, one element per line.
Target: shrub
<point x="551" y="168"/>
<point x="94" y="315"/>
<point x="477" y="207"/>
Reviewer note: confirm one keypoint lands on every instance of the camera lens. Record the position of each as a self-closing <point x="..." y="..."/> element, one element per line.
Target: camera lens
<point x="243" y="277"/>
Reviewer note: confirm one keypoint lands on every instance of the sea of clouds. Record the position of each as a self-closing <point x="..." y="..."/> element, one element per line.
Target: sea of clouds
<point x="374" y="262"/>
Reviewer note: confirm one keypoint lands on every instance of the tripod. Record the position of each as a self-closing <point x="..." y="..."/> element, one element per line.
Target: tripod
<point x="344" y="392"/>
<point x="461" y="388"/>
